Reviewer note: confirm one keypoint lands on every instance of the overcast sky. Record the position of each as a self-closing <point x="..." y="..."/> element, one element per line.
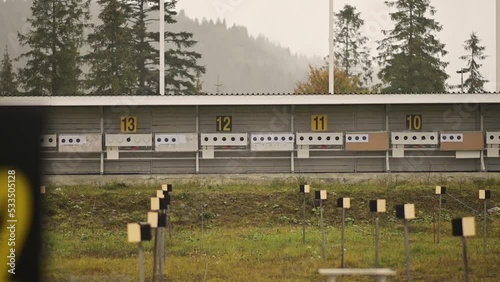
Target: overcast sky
<point x="303" y="25"/>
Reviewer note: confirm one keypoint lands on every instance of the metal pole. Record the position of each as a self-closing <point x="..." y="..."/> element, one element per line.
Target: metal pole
<point x="141" y="263"/>
<point x="155" y="256"/>
<point x="407" y="249"/>
<point x="466" y="263"/>
<point x="323" y="246"/>
<point x="162" y="47"/>
<point x="376" y="240"/>
<point x="331" y="74"/>
<point x="434" y="218"/>
<point x="342" y="239"/>
<point x="484" y="228"/>
<point x="498" y="44"/>
<point x="439" y="219"/>
<point x="169" y="223"/>
<point x="304" y="220"/>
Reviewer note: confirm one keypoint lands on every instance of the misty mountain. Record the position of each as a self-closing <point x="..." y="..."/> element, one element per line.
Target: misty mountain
<point x="237" y="61"/>
<point x="243" y="63"/>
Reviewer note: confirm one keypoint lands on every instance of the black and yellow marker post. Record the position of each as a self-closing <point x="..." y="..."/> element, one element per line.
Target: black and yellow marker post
<point x="19" y="194"/>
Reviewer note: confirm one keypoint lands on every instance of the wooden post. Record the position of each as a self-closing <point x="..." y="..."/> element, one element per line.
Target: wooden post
<point x="323" y="245"/>
<point x="439" y="218"/>
<point x="169" y="223"/>
<point x="342" y="239"/>
<point x="155" y="256"/>
<point x="466" y="262"/>
<point x="304" y="220"/>
<point x="484" y="227"/>
<point x="141" y="262"/>
<point x="407" y="249"/>
<point x="376" y="240"/>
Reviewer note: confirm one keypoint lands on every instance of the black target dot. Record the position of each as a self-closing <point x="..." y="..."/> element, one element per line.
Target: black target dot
<point x="63" y="140"/>
<point x="459" y="137"/>
<point x="444" y="137"/>
<point x="397" y="137"/>
<point x="319" y="138"/>
<point x="414" y="137"/>
<point x="159" y="139"/>
<point x="364" y="138"/>
<point x="70" y="140"/>
<point x="276" y="138"/>
<point x="51" y="140"/>
<point x="290" y="138"/>
<point x="233" y="139"/>
<point x="336" y="138"/>
<point x="173" y="139"/>
<point x="128" y="139"/>
<point x="78" y="140"/>
<point x="349" y="138"/>
<point x="255" y="139"/>
<point x="242" y="139"/>
<point x="452" y="137"/>
<point x="206" y="138"/>
<point x="405" y="138"/>
<point x="301" y="138"/>
<point x="283" y="138"/>
<point x="215" y="138"/>
<point x="310" y="138"/>
<point x="224" y="139"/>
<point x="357" y="138"/>
<point x="261" y="138"/>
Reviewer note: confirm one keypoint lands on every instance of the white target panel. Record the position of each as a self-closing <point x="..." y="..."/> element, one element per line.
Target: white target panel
<point x="452" y="137"/>
<point x="414" y="138"/>
<point x="493" y="138"/>
<point x="48" y="140"/>
<point x="357" y="138"/>
<point x="129" y="140"/>
<point x="85" y="143"/>
<point x="224" y="139"/>
<point x="318" y="139"/>
<point x="176" y="142"/>
<point x="272" y="141"/>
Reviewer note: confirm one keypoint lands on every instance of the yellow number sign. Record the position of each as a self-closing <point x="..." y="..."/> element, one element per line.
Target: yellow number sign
<point x="128" y="124"/>
<point x="224" y="123"/>
<point x="319" y="123"/>
<point x="414" y="122"/>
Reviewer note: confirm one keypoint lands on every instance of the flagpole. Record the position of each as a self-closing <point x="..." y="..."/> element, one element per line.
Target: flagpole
<point x="331" y="12"/>
<point x="162" y="47"/>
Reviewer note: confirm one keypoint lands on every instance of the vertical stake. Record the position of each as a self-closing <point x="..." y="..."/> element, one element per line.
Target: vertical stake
<point x="141" y="262"/>
<point x="466" y="263"/>
<point x="304" y="220"/>
<point x="155" y="256"/>
<point x="376" y="240"/>
<point x="169" y="223"/>
<point x="484" y="227"/>
<point x="323" y="247"/>
<point x="439" y="219"/>
<point x="342" y="239"/>
<point x="407" y="249"/>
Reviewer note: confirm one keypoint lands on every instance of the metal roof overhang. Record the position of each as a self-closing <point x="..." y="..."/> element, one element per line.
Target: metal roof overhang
<point x="234" y="100"/>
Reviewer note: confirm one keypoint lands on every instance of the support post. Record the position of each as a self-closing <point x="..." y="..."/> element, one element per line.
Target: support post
<point x="141" y="262"/>
<point x="497" y="26"/>
<point x="466" y="262"/>
<point x="323" y="244"/>
<point x="331" y="74"/>
<point x="342" y="239"/>
<point x="376" y="240"/>
<point x="407" y="250"/>
<point x="484" y="227"/>
<point x="439" y="218"/>
<point x="304" y="219"/>
<point x="162" y="47"/>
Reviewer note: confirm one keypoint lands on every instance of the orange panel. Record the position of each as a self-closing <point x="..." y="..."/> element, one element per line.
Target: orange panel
<point x="473" y="141"/>
<point x="376" y="142"/>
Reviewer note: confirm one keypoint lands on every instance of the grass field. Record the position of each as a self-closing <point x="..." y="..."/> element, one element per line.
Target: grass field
<point x="246" y="232"/>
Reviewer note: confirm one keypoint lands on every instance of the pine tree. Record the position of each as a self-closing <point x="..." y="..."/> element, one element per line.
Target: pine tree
<point x="112" y="60"/>
<point x="475" y="82"/>
<point x="8" y="83"/>
<point x="410" y="57"/>
<point x="180" y="61"/>
<point x="352" y="54"/>
<point x="55" y="38"/>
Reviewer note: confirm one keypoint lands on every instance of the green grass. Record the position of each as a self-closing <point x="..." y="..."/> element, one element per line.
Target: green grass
<point x="253" y="232"/>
